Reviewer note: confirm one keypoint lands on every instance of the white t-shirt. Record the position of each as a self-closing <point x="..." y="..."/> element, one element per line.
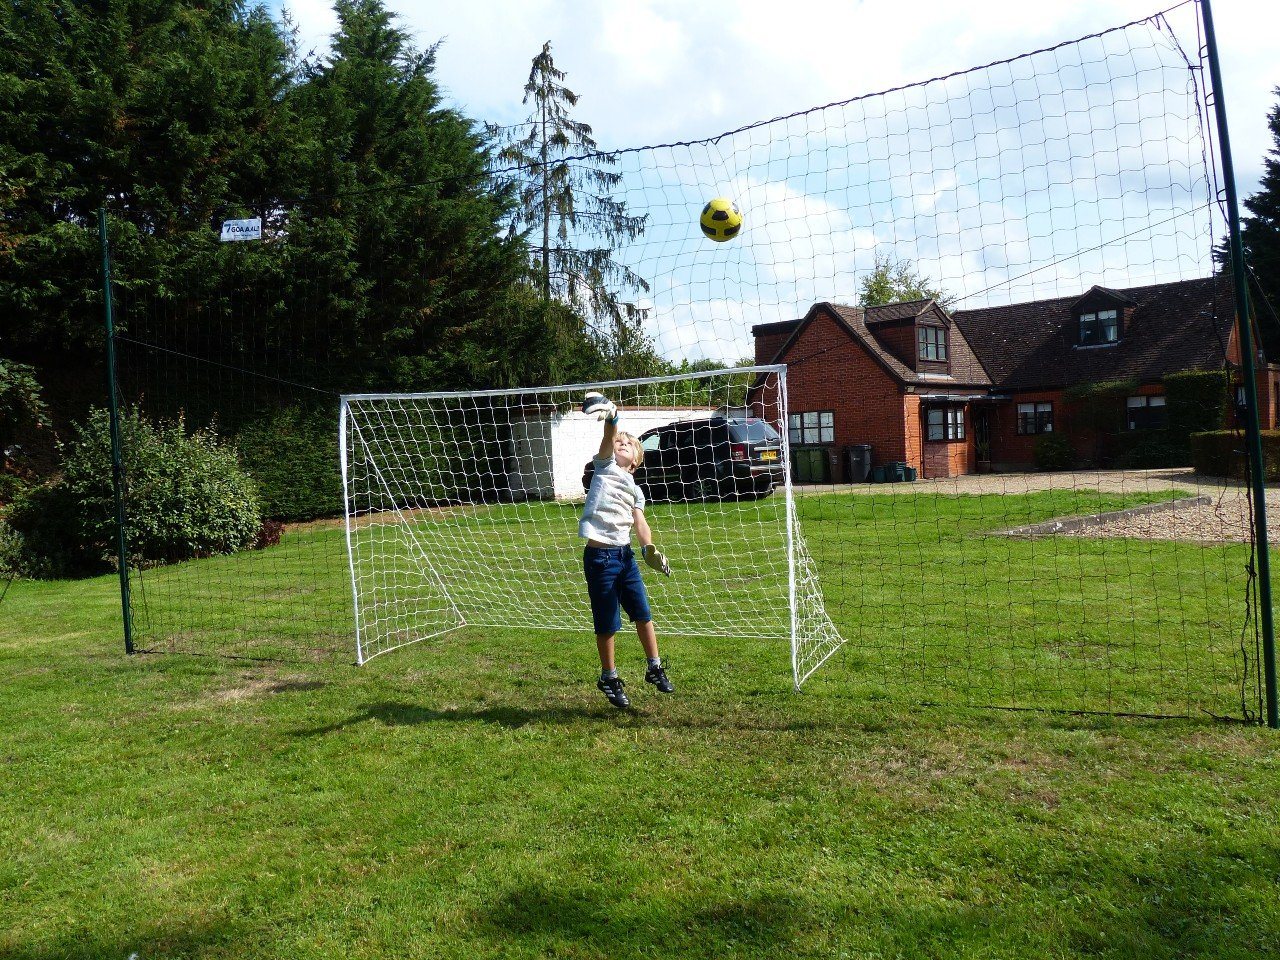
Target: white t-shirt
<point x="614" y="493"/>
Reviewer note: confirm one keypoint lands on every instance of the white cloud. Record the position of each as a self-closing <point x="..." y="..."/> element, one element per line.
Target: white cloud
<point x="664" y="70"/>
<point x="661" y="71"/>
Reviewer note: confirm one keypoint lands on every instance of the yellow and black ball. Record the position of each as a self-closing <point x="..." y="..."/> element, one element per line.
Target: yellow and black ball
<point x="721" y="220"/>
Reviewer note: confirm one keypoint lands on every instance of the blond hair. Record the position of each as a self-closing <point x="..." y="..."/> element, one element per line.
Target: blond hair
<point x="638" y="459"/>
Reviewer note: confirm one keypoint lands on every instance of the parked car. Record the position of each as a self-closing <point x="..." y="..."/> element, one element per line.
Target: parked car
<point x="708" y="459"/>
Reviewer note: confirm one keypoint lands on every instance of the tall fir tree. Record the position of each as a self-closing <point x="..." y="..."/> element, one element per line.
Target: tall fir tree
<point x="568" y="211"/>
<point x="167" y="113"/>
<point x="1260" y="234"/>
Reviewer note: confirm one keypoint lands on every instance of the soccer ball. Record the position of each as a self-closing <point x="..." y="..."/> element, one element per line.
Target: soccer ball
<point x="721" y="219"/>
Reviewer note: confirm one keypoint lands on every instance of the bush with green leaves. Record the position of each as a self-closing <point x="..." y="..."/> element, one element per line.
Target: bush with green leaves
<point x="1150" y="450"/>
<point x="187" y="497"/>
<point x="1052" y="451"/>
<point x="1224" y="453"/>
<point x="292" y="455"/>
<point x="1197" y="401"/>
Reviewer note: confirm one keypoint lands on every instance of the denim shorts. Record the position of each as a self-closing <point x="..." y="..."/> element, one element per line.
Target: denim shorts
<point x="613" y="579"/>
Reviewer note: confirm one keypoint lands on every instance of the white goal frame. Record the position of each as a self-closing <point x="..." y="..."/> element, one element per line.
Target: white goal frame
<point x="812" y="637"/>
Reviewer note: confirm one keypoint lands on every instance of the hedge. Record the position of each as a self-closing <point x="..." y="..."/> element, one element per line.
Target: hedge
<point x="1221" y="453"/>
<point x="1196" y="402"/>
<point x="292" y="455"/>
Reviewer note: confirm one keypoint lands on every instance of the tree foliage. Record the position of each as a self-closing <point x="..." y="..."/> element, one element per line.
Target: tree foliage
<point x="567" y="207"/>
<point x="894" y="280"/>
<point x="168" y="113"/>
<point x="398" y="230"/>
<point x="1260" y="233"/>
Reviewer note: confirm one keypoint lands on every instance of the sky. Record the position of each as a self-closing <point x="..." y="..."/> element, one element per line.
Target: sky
<point x="1022" y="203"/>
<point x="654" y="71"/>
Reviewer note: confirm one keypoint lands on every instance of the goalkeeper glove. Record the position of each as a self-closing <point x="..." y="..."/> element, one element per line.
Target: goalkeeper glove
<point x="654" y="558"/>
<point x="596" y="405"/>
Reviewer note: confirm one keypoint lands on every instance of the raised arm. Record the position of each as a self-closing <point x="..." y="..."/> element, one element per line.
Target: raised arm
<point x="596" y="405"/>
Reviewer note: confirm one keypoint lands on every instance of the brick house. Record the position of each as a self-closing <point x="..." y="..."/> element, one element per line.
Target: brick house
<point x="971" y="390"/>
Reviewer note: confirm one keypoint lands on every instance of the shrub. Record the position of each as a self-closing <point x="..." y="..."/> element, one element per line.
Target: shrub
<point x="1052" y="451"/>
<point x="1221" y="453"/>
<point x="187" y="498"/>
<point x="292" y="455"/>
<point x="1149" y="450"/>
<point x="21" y="406"/>
<point x="1196" y="402"/>
<point x="42" y="536"/>
<point x="268" y="534"/>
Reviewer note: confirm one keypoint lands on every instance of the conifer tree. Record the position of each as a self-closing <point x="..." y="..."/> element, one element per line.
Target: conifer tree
<point x="400" y="219"/>
<point x="567" y="208"/>
<point x="1260" y="232"/>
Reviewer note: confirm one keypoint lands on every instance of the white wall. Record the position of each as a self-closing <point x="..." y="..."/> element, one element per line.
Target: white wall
<point x="531" y="451"/>
<point x="551" y="450"/>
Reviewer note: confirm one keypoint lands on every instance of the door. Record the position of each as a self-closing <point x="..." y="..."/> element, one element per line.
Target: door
<point x="982" y="435"/>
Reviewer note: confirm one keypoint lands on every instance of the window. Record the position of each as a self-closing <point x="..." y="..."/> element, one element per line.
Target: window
<point x="1099" y="328"/>
<point x="752" y="431"/>
<point x="1145" y="413"/>
<point x="818" y="426"/>
<point x="649" y="442"/>
<point x="1035" y="418"/>
<point x="933" y="343"/>
<point x="945" y="423"/>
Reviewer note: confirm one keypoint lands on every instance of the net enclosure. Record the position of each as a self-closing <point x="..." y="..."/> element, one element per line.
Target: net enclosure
<point x="974" y="321"/>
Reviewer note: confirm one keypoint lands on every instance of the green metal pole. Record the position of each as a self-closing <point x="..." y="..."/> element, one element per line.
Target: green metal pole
<point x="117" y="464"/>
<point x="1257" y="474"/>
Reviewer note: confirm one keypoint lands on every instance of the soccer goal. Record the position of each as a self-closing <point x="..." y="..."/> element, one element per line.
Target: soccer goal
<point x="462" y="510"/>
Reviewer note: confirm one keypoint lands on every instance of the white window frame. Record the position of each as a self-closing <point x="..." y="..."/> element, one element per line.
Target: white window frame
<point x="1108" y="322"/>
<point x="1142" y="402"/>
<point x="811" y="427"/>
<point x="1036" y="410"/>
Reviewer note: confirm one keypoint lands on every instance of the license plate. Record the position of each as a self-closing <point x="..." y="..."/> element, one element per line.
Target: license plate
<point x="768" y="454"/>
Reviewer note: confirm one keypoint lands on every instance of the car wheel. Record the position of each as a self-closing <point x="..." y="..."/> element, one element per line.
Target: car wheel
<point x="708" y="489"/>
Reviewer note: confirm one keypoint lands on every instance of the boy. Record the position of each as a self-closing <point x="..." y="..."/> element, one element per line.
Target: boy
<point x="614" y="505"/>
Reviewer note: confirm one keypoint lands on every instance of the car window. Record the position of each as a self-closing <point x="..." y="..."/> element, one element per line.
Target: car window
<point x="650" y="442"/>
<point x="669" y="440"/>
<point x="753" y="431"/>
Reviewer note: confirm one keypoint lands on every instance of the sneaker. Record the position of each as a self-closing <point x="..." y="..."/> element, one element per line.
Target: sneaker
<point x="658" y="677"/>
<point x="612" y="689"/>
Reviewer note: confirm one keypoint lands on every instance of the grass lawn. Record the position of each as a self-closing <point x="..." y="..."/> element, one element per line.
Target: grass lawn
<point x="474" y="796"/>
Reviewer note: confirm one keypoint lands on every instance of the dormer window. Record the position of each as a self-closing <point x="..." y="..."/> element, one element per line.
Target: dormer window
<point x="933" y="344"/>
<point x="1099" y="328"/>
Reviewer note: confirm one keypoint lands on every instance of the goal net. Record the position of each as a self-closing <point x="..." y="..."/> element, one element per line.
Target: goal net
<point x="462" y="510"/>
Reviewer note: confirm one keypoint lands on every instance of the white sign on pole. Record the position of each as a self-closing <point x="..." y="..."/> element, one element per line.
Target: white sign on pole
<point x="242" y="229"/>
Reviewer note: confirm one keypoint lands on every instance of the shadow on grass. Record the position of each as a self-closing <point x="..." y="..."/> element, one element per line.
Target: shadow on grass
<point x="408" y="714"/>
<point x="1186" y="905"/>
<point x="735" y="716"/>
<point x="166" y="938"/>
<point x="542" y="918"/>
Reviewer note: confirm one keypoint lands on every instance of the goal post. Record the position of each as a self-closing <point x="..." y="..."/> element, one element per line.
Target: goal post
<point x="461" y="509"/>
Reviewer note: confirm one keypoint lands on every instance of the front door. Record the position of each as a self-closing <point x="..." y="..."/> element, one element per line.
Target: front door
<point x="982" y="435"/>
